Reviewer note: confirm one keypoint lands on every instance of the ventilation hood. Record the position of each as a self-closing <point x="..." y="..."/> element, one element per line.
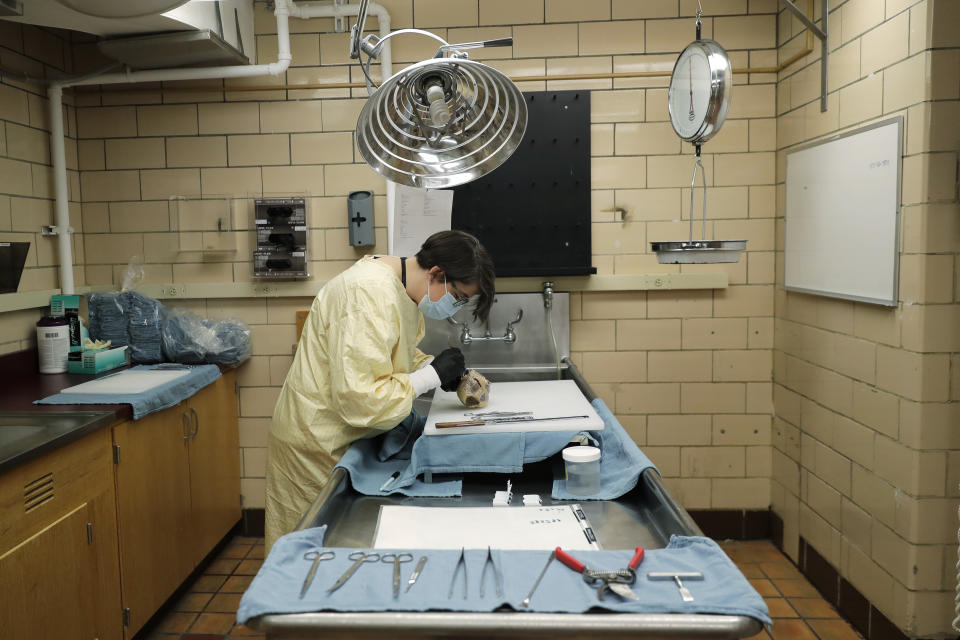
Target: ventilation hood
<point x="158" y="33"/>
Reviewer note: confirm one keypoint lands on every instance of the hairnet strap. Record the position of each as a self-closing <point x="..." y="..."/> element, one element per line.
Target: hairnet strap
<point x="403" y="270"/>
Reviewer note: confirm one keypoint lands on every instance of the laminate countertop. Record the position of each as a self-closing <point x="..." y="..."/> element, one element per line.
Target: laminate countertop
<point x="29" y="430"/>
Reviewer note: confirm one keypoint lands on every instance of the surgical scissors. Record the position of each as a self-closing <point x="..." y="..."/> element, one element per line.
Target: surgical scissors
<point x="317" y="557"/>
<point x="359" y="557"/>
<point x="396" y="559"/>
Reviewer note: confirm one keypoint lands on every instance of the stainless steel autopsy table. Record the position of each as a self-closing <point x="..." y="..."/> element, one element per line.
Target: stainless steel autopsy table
<point x="645" y="516"/>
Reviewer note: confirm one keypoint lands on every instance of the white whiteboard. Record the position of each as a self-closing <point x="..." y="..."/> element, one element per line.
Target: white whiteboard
<point x="843" y="215"/>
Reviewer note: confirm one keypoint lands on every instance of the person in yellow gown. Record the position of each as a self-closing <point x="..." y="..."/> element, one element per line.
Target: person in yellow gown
<point x="357" y="368"/>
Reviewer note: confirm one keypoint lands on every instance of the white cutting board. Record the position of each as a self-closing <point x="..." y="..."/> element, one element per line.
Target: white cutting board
<point x="130" y="381"/>
<point x="545" y="398"/>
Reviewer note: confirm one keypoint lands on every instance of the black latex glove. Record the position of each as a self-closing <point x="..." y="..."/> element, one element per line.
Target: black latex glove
<point x="450" y="367"/>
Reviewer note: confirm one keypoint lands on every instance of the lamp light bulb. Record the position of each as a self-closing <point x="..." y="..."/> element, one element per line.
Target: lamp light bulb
<point x="439" y="113"/>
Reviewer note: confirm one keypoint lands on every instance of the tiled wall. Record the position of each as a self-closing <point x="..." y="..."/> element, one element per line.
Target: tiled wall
<point x="866" y="462"/>
<point x="688" y="373"/>
<point x="28" y="54"/>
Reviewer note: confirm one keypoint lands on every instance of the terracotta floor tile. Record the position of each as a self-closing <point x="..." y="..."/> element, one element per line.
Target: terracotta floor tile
<point x="193" y="601"/>
<point x="256" y="551"/>
<point x="751" y="570"/>
<point x="234" y="550"/>
<point x="224" y="603"/>
<point x="782" y="569"/>
<point x="835" y="630"/>
<point x="792" y="588"/>
<point x="764" y="587"/>
<point x="813" y="608"/>
<point x="248" y="567"/>
<point x="208" y="584"/>
<point x="223" y="566"/>
<point x="780" y="608"/>
<point x="739" y="555"/>
<point x="246" y="540"/>
<point x="763" y="635"/>
<point x="220" y="623"/>
<point x="176" y="622"/>
<point x="243" y="632"/>
<point x="791" y="630"/>
<point x="237" y="584"/>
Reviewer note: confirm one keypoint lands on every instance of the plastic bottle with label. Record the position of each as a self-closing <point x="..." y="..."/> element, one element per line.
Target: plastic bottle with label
<point x="53" y="344"/>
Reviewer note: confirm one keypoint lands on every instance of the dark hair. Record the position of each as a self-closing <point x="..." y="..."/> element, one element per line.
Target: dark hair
<point x="462" y="258"/>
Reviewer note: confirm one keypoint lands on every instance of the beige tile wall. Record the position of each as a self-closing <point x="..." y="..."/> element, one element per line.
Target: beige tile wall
<point x="841" y="415"/>
<point x="701" y="361"/>
<point x="865" y="396"/>
<point x="26" y="184"/>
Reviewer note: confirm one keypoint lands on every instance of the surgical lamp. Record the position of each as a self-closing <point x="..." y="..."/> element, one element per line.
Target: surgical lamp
<point x="441" y="122"/>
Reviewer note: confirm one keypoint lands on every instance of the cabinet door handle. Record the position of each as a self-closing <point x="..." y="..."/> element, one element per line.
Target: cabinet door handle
<point x="185" y="426"/>
<point x="196" y="422"/>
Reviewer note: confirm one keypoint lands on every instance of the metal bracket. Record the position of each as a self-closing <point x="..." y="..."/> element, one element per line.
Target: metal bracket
<point x="339" y="25"/>
<point x="820" y="33"/>
<point x="53" y="230"/>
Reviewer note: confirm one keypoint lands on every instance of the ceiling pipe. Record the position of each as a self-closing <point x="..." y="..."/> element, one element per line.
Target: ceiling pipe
<point x="57" y="142"/>
<point x="283" y="10"/>
<point x="386" y="69"/>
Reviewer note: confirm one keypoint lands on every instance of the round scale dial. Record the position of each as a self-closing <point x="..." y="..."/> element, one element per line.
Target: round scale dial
<point x="700" y="91"/>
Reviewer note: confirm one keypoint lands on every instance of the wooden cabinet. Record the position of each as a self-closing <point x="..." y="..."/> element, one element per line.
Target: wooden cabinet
<point x="59" y="574"/>
<point x="214" y="450"/>
<point x="153" y="509"/>
<point x="164" y="490"/>
<point x="178" y="493"/>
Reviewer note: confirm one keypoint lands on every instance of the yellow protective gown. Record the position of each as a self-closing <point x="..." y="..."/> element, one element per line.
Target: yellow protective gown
<point x="349" y="380"/>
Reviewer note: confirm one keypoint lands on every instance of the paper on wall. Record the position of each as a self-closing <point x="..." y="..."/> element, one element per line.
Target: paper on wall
<point x="418" y="213"/>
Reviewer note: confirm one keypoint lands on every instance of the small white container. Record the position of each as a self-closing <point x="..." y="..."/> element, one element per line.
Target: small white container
<point x="582" y="470"/>
<point x="53" y="344"/>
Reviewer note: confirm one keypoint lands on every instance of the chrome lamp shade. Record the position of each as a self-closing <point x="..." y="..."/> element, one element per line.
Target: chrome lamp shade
<point x="441" y="123"/>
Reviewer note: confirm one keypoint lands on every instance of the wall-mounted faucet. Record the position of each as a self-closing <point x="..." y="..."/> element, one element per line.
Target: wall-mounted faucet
<point x="466" y="337"/>
<point x="548" y="295"/>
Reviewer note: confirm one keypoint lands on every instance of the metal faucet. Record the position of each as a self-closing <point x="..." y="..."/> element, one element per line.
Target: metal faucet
<point x="548" y="295"/>
<point x="466" y="337"/>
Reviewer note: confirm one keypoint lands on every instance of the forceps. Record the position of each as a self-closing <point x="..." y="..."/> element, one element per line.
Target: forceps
<point x="359" y="557"/>
<point x="317" y="557"/>
<point x="396" y="559"/>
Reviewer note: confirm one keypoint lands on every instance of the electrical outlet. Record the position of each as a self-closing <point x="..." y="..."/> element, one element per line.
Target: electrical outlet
<point x="174" y="291"/>
<point x="264" y="289"/>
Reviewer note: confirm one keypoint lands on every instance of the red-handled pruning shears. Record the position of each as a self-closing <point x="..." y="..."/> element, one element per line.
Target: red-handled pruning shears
<point x="615" y="581"/>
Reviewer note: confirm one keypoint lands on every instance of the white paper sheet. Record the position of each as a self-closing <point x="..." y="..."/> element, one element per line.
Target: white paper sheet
<point x="544" y="527"/>
<point x="418" y="213"/>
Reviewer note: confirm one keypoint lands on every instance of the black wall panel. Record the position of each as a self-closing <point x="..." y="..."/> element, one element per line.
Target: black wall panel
<point x="533" y="212"/>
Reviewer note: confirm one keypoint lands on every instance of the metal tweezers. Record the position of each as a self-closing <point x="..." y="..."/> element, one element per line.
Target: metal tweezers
<point x="496" y="574"/>
<point x="453" y="578"/>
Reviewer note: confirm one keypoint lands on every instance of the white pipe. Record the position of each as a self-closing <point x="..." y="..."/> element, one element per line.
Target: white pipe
<point x="283" y="9"/>
<point x="386" y="69"/>
<point x="62" y="204"/>
<point x="57" y="142"/>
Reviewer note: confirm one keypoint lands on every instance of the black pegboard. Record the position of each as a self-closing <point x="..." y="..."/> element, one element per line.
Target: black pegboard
<point x="533" y="212"/>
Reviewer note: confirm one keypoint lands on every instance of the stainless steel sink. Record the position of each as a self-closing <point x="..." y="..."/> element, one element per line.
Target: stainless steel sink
<point x="26" y="434"/>
<point x="14" y="432"/>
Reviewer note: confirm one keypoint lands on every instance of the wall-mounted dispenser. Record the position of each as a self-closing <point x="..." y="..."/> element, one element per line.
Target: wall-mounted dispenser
<point x="360" y="219"/>
<point x="281" y="238"/>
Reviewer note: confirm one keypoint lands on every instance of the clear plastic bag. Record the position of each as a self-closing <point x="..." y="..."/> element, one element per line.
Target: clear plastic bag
<point x="192" y="339"/>
<point x="129" y="318"/>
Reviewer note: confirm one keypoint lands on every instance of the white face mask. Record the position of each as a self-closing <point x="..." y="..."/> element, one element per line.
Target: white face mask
<point x="443" y="308"/>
